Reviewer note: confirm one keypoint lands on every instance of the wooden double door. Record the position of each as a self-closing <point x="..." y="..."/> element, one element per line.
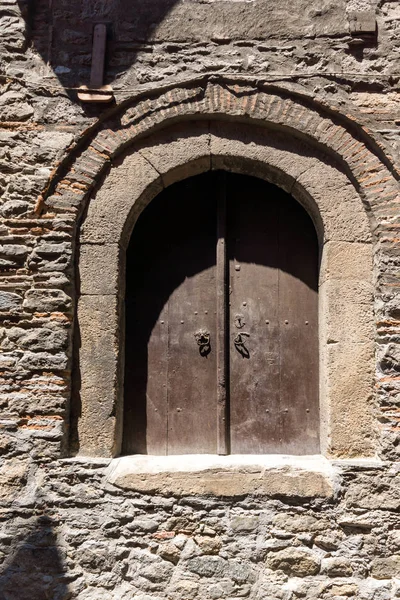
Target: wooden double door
<point x="221" y="351"/>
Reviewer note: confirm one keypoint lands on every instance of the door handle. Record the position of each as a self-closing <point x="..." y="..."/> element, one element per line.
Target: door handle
<point x="240" y="344"/>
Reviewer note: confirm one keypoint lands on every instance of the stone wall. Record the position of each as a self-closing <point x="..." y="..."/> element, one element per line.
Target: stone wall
<point x="67" y="531"/>
<point x="73" y="534"/>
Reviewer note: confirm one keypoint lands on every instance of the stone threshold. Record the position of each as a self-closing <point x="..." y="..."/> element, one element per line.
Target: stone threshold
<point x="226" y="476"/>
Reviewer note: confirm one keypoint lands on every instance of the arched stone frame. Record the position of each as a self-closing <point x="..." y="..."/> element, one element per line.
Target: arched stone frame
<point x="346" y="305"/>
<point x="359" y="152"/>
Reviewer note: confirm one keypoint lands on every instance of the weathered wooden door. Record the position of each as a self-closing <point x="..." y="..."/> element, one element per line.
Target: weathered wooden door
<point x="221" y="322"/>
<point x="273" y="327"/>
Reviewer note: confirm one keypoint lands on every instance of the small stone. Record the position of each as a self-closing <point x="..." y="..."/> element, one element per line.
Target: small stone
<point x="276" y="544"/>
<point x="39" y="338"/>
<point x="240" y="572"/>
<point x="46" y="300"/>
<point x="336" y="567"/>
<point x="14" y="208"/>
<point x="295" y="562"/>
<point x="206" y="566"/>
<point x="180" y="524"/>
<point x="386" y="568"/>
<point x="209" y="531"/>
<point x="390" y="361"/>
<point x="12" y="478"/>
<point x="208" y="545"/>
<point x="164" y="535"/>
<point x="9" y="301"/>
<point x="327" y="542"/>
<point x="16" y="252"/>
<point x="299" y="523"/>
<point x="32" y="361"/>
<point x="148" y="525"/>
<point x="346" y="590"/>
<point x="184" y="589"/>
<point x="394" y="540"/>
<point x="180" y="541"/>
<point x="244" y="523"/>
<point x="170" y="552"/>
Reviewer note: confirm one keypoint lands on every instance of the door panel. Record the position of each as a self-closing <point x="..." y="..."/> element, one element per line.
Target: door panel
<point x="254" y="367"/>
<point x="192" y="404"/>
<point x="170" y="390"/>
<point x="273" y="261"/>
<point x="298" y="317"/>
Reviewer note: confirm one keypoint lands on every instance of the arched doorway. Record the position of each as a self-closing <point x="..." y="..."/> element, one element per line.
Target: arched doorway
<point x="222" y="321"/>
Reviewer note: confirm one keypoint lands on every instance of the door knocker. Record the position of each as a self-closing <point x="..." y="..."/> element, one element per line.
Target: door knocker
<point x="202" y="338"/>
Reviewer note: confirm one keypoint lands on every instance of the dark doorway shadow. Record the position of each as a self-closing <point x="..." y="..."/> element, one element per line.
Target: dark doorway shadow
<point x="35" y="569"/>
<point x="173" y="241"/>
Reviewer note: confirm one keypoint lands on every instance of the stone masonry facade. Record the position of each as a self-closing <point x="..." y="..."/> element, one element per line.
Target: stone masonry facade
<point x="71" y="525"/>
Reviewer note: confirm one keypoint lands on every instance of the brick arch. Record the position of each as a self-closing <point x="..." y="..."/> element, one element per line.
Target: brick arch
<point x="340" y="138"/>
<point x="352" y="144"/>
<point x="319" y="182"/>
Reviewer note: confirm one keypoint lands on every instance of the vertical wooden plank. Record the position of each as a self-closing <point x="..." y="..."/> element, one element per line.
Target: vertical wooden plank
<point x="192" y="372"/>
<point x="98" y="55"/>
<point x="298" y="323"/>
<point x="221" y="285"/>
<point x="146" y="339"/>
<point x="253" y="274"/>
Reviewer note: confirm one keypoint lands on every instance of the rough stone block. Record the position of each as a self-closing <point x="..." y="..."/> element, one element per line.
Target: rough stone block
<point x="346" y="312"/>
<point x="33" y="361"/>
<point x="346" y="260"/>
<point x="13" y="476"/>
<point x="362" y="22"/>
<point x="347" y="394"/>
<point x="386" y="568"/>
<point x="39" y="339"/>
<point x="179" y="152"/>
<point x="299" y="523"/>
<point x="43" y="300"/>
<point x="223" y="476"/>
<point x="112" y="211"/>
<point x="237" y="20"/>
<point x="9" y="301"/>
<point x="99" y="269"/>
<point x="373" y="492"/>
<point x="342" y="212"/>
<point x="336" y="567"/>
<point x="259" y="152"/>
<point x="98" y="343"/>
<point x="100" y="370"/>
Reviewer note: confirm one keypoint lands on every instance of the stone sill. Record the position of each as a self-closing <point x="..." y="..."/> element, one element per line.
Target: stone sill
<point x="226" y="476"/>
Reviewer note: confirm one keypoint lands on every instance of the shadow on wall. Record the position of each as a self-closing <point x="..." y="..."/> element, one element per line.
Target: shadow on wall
<point x="35" y="568"/>
<point x="61" y="31"/>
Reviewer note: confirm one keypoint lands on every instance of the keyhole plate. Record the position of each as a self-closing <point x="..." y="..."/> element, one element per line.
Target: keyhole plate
<point x="239" y="321"/>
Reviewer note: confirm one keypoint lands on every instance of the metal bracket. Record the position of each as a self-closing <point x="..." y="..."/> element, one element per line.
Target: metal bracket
<point x="97" y="92"/>
<point x="363" y="25"/>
